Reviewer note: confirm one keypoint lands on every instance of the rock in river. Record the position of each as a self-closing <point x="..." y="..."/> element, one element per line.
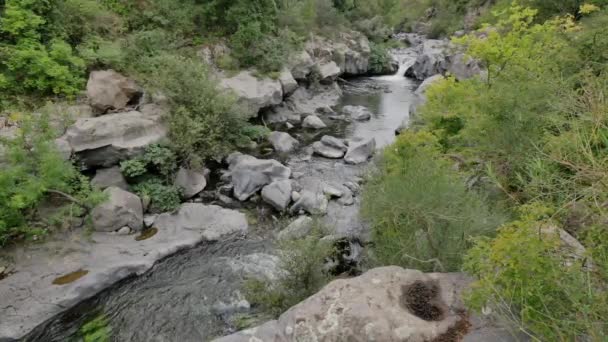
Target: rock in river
<point x="283" y="142"/>
<point x="249" y="174"/>
<point x="278" y="194"/>
<point x="121" y="209"/>
<point x="313" y="121"/>
<point x="358" y="113"/>
<point x="360" y="152"/>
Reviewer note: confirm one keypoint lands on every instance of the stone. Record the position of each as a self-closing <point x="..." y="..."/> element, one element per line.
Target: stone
<point x="149" y="220"/>
<point x="295" y="196"/>
<point x="357" y="113"/>
<point x="105" y="178"/>
<point x="249" y="174"/>
<point x="334" y="142"/>
<point x="254" y="93"/>
<point x="213" y="221"/>
<point x="278" y="194"/>
<point x="121" y="209"/>
<point x="301" y="65"/>
<point x="352" y="186"/>
<point x="328" y="72"/>
<point x="298" y="229"/>
<point x="388" y="304"/>
<point x="304" y="101"/>
<point x="332" y="192"/>
<point x="283" y="142"/>
<point x="109" y="90"/>
<point x="190" y="181"/>
<point x="313" y="121"/>
<point x="326" y="151"/>
<point x="288" y="83"/>
<point x="439" y="57"/>
<point x="310" y="202"/>
<point x="124" y="231"/>
<point x="360" y="152"/>
<point x="106" y="140"/>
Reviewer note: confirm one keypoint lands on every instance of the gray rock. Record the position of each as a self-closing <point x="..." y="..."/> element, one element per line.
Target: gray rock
<point x="190" y="181"/>
<point x="328" y="72"/>
<point x="297" y="229"/>
<point x="109" y="90"/>
<point x="249" y="174"/>
<point x="441" y="57"/>
<point x="301" y="65"/>
<point x="124" y="231"/>
<point x="288" y="83"/>
<point x="304" y="101"/>
<point x="326" y="151"/>
<point x="310" y="202"/>
<point x="331" y="191"/>
<point x="342" y="310"/>
<point x="295" y="196"/>
<point x="213" y="222"/>
<point x="254" y="93"/>
<point x="108" y="139"/>
<point x="352" y="186"/>
<point x="121" y="209"/>
<point x="283" y="142"/>
<point x="360" y="152"/>
<point x="313" y="121"/>
<point x="334" y="142"/>
<point x="358" y="113"/>
<point x="149" y="220"/>
<point x="278" y="194"/>
<point x="105" y="178"/>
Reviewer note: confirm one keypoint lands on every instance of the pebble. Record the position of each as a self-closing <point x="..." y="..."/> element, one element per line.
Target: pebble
<point x="124" y="231"/>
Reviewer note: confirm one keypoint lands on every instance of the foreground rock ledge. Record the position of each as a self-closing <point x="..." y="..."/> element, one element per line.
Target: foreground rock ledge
<point x="28" y="298"/>
<point x="385" y="304"/>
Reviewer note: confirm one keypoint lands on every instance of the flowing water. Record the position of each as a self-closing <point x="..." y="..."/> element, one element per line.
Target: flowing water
<point x="195" y="294"/>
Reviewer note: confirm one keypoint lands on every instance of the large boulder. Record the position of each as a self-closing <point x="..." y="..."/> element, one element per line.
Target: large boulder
<point x="441" y="57"/>
<point x="301" y="65"/>
<point x="328" y="72"/>
<point x="105" y="178"/>
<point x="288" y="83"/>
<point x="214" y="222"/>
<point x="249" y="174"/>
<point x="191" y="182"/>
<point x="283" y="142"/>
<point x="254" y="93"/>
<point x="278" y="194"/>
<point x="108" y="90"/>
<point x="349" y="50"/>
<point x="388" y="304"/>
<point x="360" y="151"/>
<point x="304" y="101"/>
<point x="357" y="113"/>
<point x="108" y="139"/>
<point x="121" y="209"/>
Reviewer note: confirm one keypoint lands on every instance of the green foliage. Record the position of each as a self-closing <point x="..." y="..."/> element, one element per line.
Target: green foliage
<point x="527" y="274"/>
<point x="31" y="167"/>
<point x="301" y="262"/>
<point x="422" y="214"/>
<point x="204" y="122"/>
<point x="379" y="58"/>
<point x="96" y="330"/>
<point x="255" y="132"/>
<point x="162" y="197"/>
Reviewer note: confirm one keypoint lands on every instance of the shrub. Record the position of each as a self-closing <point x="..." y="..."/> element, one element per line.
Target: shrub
<point x="162" y="197"/>
<point x="302" y="275"/>
<point x="379" y="59"/>
<point x="31" y="169"/>
<point x="421" y="213"/>
<point x="528" y="277"/>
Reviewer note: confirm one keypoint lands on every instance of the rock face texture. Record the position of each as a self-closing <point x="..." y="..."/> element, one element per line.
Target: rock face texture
<point x="350" y="52"/>
<point x="328" y="72"/>
<point x="190" y="181"/>
<point x="253" y="93"/>
<point x="301" y="65"/>
<point x="109" y="90"/>
<point x="108" y="260"/>
<point x="283" y="142"/>
<point x="108" y="139"/>
<point x="122" y="209"/>
<point x="387" y="304"/>
<point x="360" y="152"/>
<point x="105" y="178"/>
<point x="249" y="174"/>
<point x="439" y="57"/>
<point x="288" y="83"/>
<point x="278" y="194"/>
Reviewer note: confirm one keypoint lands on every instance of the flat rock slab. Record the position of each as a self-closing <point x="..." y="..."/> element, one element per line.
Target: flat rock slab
<point x="28" y="297"/>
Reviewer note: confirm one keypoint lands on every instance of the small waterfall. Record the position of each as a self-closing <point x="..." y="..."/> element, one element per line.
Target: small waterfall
<point x="405" y="62"/>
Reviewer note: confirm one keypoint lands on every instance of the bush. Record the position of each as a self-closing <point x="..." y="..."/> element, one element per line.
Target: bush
<point x="31" y="169"/>
<point x="421" y="213"/>
<point x="204" y="122"/>
<point x="379" y="59"/>
<point x="528" y="276"/>
<point x="302" y="265"/>
<point x="162" y="197"/>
